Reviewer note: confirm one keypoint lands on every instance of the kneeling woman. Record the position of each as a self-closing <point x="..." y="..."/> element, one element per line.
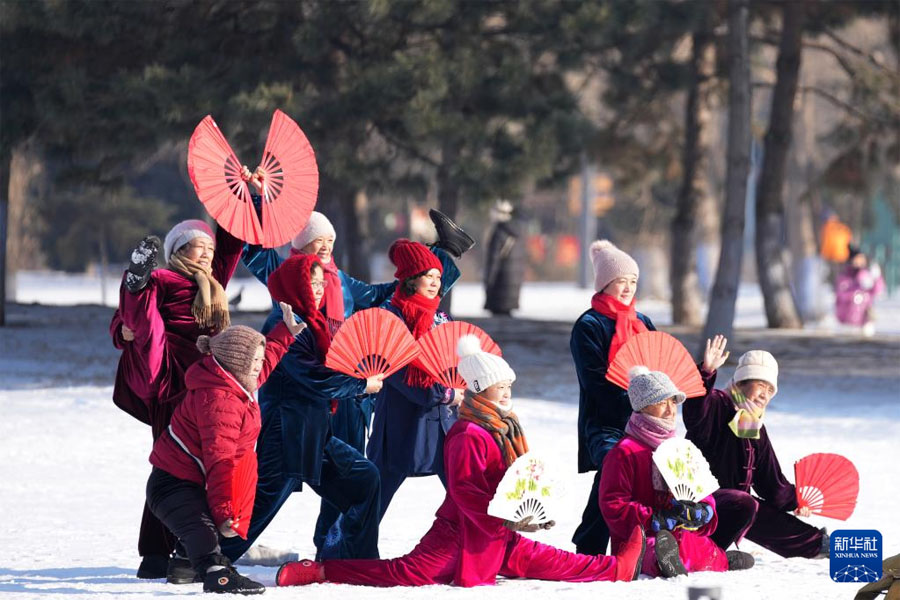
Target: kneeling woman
<point x="466" y="546"/>
<point x="633" y="493"/>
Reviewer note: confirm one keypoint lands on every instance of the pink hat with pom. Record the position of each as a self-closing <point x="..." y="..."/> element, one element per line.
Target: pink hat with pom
<point x="610" y="263"/>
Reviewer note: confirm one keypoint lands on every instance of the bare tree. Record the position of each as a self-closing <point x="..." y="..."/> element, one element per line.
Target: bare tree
<point x="723" y="298"/>
<point x="781" y="312"/>
<point x="686" y="299"/>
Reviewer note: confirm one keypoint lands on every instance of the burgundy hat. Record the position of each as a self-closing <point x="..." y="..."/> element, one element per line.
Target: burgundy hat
<point x="412" y="258"/>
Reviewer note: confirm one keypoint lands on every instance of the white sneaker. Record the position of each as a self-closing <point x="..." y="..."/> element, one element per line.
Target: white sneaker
<point x="868" y="330"/>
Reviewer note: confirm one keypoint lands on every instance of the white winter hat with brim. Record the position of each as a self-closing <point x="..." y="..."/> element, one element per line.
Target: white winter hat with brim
<point x="183" y="233"/>
<point x="317" y="226"/>
<point x="757" y="364"/>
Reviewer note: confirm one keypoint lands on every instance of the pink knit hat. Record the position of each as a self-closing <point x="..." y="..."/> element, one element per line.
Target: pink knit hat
<point x="412" y="258"/>
<point x="610" y="263"/>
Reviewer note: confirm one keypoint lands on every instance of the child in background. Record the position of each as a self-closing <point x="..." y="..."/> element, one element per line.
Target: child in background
<point x="855" y="290"/>
<point x="217" y="423"/>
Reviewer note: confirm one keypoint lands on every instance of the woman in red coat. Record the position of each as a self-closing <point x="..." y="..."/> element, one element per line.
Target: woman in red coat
<point x="633" y="493"/>
<point x="217" y="423"/>
<point x="466" y="546"/>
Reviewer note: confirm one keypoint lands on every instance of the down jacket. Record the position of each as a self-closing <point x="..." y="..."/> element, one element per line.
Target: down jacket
<point x="215" y="425"/>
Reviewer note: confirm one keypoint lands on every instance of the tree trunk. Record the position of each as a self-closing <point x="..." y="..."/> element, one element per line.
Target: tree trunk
<point x="723" y="298"/>
<point x="356" y="234"/>
<point x="448" y="196"/>
<point x="684" y="281"/>
<point x="5" y="159"/>
<point x="772" y="271"/>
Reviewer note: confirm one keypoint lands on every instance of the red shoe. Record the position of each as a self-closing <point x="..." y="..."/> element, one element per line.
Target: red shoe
<point x="631" y="555"/>
<point x="301" y="572"/>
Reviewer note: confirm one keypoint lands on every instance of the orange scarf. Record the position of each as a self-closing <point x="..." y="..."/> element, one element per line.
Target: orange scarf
<point x="625" y="316"/>
<point x="506" y="431"/>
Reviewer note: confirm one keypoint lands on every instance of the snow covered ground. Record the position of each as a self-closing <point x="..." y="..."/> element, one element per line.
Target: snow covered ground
<point x="73" y="466"/>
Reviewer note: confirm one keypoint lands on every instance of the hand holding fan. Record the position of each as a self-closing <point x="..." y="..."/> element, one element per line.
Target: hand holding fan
<point x="371" y="342"/>
<point x="243" y="492"/>
<point x="684" y="469"/>
<point x="438" y="355"/>
<point x="290" y="183"/>
<point x="828" y="484"/>
<point x="526" y="490"/>
<point x="658" y="351"/>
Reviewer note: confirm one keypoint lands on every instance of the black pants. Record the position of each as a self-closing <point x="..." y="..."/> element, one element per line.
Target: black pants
<point x="592" y="535"/>
<point x="391" y="481"/>
<point x="182" y="507"/>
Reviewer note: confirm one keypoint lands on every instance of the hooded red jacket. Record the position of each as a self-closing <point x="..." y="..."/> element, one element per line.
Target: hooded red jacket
<point x="215" y="425"/>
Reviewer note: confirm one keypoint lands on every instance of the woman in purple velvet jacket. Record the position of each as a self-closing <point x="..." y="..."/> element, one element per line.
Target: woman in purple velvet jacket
<point x="727" y="425"/>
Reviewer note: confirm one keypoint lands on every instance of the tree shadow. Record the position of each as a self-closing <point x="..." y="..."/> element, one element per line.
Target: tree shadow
<point x="73" y="580"/>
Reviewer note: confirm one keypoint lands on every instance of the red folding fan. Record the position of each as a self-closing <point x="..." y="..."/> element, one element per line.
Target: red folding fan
<point x="371" y="342"/>
<point x="243" y="492"/>
<point x="289" y="188"/>
<point x="438" y="355"/>
<point x="657" y="351"/>
<point x="828" y="484"/>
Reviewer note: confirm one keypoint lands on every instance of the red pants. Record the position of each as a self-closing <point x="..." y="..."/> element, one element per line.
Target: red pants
<point x="434" y="560"/>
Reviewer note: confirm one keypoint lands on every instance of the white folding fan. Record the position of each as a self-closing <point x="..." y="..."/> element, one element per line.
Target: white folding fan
<point x="684" y="470"/>
<point x="526" y="490"/>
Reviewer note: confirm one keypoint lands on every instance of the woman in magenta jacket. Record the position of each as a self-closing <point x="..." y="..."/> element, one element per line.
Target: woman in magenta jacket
<point x="211" y="430"/>
<point x="466" y="546"/>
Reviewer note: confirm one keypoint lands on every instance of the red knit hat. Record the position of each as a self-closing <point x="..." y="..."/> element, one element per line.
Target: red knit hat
<point x="412" y="258"/>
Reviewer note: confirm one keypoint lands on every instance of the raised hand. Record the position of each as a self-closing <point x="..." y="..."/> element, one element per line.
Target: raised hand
<point x="287" y="314"/>
<point x="715" y="354"/>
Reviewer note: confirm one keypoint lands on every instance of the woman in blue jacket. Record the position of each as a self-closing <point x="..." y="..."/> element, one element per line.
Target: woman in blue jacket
<point x="345" y="295"/>
<point x="296" y="444"/>
<point x="603" y="407"/>
<point x="412" y="413"/>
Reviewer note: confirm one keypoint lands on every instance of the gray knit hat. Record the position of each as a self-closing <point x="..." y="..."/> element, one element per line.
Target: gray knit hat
<point x="234" y="349"/>
<point x="646" y="387"/>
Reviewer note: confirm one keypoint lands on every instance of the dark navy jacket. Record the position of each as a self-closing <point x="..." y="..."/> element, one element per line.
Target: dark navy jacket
<point x="299" y="393"/>
<point x="603" y="407"/>
<point x="410" y="423"/>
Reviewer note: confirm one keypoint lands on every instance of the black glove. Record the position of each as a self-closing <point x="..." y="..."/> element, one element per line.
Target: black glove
<point x="695" y="515"/>
<point x="667" y="518"/>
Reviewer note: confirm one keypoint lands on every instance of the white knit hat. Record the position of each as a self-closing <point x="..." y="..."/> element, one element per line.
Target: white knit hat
<point x="646" y="387"/>
<point x="183" y="233"/>
<point x="610" y="263"/>
<point x="757" y="364"/>
<point x="480" y="369"/>
<point x="317" y="226"/>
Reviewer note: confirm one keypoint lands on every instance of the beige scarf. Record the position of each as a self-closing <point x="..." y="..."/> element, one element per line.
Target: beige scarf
<point x="210" y="308"/>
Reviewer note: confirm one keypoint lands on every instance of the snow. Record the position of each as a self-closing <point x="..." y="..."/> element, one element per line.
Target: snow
<point x="74" y="466"/>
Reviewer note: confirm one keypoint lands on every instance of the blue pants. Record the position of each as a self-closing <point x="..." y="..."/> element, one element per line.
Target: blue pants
<point x="391" y="481"/>
<point x="348" y="481"/>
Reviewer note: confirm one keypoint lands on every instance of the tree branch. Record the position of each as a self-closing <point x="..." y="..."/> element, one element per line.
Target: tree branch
<point x="834" y="100"/>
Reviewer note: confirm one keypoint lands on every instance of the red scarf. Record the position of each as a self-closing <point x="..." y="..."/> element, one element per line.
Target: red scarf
<point x="627" y="322"/>
<point x="334" y="294"/>
<point x="291" y="283"/>
<point x="418" y="314"/>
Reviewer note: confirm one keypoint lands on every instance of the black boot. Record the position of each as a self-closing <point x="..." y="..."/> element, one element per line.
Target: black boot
<point x="667" y="557"/>
<point x="739" y="561"/>
<point x="180" y="571"/>
<point x="451" y="236"/>
<point x="143" y="261"/>
<point x="153" y="566"/>
<point x="228" y="581"/>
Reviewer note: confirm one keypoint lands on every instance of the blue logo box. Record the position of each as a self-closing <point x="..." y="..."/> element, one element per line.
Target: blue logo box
<point x="856" y="555"/>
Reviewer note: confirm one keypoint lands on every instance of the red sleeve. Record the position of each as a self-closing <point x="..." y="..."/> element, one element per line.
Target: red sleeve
<point x="277" y="343"/>
<point x="619" y="510"/>
<point x="467" y="485"/>
<point x="227" y="256"/>
<point x="219" y="417"/>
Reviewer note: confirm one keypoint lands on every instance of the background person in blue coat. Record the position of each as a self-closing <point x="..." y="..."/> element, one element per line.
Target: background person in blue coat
<point x="412" y="413"/>
<point x="603" y="407"/>
<point x="296" y="444"/>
